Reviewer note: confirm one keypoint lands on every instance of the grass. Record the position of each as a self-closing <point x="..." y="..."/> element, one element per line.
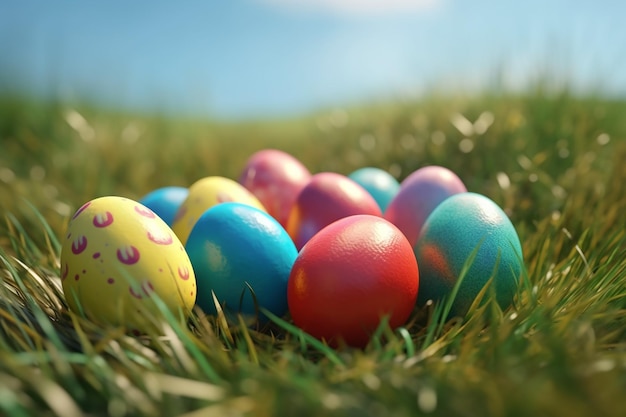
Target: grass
<point x="554" y="162"/>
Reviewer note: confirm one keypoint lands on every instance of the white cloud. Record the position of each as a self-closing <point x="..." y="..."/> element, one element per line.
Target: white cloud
<point x="357" y="7"/>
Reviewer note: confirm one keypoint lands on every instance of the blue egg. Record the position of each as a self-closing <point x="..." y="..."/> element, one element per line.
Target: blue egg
<point x="464" y="225"/>
<point x="379" y="183"/>
<point x="165" y="202"/>
<point x="237" y="250"/>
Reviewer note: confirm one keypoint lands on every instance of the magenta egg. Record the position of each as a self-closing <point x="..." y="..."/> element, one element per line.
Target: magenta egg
<point x="326" y="198"/>
<point x="275" y="178"/>
<point x="420" y="193"/>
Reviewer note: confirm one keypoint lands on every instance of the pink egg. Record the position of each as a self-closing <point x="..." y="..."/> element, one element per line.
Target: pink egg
<point x="420" y="193"/>
<point x="275" y="178"/>
<point x="326" y="198"/>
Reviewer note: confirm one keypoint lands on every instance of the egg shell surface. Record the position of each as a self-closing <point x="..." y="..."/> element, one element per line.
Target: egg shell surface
<point x="379" y="183"/>
<point x="206" y="193"/>
<point x="275" y="178"/>
<point x="351" y="274"/>
<point x="233" y="246"/>
<point x="327" y="197"/>
<point x="459" y="226"/>
<point x="117" y="256"/>
<point x="418" y="196"/>
<point x="165" y="202"/>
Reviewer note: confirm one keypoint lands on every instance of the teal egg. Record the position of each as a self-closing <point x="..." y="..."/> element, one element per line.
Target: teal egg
<point x="379" y="183"/>
<point x="237" y="250"/>
<point x="464" y="225"/>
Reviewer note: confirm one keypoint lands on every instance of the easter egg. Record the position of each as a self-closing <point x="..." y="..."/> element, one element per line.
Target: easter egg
<point x="275" y="178"/>
<point x="418" y="196"/>
<point x="349" y="276"/>
<point x="244" y="256"/>
<point x="117" y="257"/>
<point x="379" y="183"/>
<point x="206" y="193"/>
<point x="165" y="202"/>
<point x="463" y="226"/>
<point x="326" y="198"/>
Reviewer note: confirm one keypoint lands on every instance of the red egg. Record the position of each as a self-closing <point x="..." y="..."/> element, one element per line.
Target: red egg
<point x="420" y="193"/>
<point x="327" y="197"/>
<point x="349" y="276"/>
<point x="275" y="178"/>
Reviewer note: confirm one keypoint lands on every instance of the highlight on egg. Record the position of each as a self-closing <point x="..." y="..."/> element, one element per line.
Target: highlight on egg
<point x="118" y="258"/>
<point x="468" y="229"/>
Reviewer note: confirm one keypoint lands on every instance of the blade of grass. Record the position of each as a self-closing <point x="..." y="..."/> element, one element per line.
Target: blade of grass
<point x="328" y="352"/>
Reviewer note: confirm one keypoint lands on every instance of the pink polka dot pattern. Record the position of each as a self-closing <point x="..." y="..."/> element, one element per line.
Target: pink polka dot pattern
<point x="145" y="290"/>
<point x="103" y="219"/>
<point x="163" y="239"/>
<point x="144" y="211"/>
<point x="183" y="273"/>
<point x="79" y="245"/>
<point x="120" y="255"/>
<point x="128" y="255"/>
<point x="80" y="210"/>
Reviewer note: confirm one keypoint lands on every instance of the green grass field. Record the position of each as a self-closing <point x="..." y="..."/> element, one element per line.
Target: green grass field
<point x="554" y="162"/>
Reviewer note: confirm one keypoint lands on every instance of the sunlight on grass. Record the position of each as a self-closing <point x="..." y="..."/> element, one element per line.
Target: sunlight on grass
<point x="555" y="164"/>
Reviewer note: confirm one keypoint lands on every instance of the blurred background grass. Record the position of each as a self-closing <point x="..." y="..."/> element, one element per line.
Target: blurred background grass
<point x="530" y="153"/>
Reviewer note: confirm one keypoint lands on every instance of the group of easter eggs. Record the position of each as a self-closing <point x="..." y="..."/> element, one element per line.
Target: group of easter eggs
<point x="337" y="253"/>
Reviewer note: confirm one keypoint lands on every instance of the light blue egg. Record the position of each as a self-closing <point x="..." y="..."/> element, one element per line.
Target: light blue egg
<point x="379" y="183"/>
<point x="165" y="202"/>
<point x="236" y="249"/>
<point x="460" y="225"/>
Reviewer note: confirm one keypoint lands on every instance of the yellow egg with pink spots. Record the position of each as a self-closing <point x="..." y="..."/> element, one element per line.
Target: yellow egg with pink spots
<point x="118" y="259"/>
<point x="206" y="193"/>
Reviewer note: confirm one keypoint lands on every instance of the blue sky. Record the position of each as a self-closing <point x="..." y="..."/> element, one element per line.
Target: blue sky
<point x="254" y="58"/>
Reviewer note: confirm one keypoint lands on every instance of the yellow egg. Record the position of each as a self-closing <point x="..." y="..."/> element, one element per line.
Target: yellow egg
<point x="206" y="193"/>
<point x="117" y="258"/>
